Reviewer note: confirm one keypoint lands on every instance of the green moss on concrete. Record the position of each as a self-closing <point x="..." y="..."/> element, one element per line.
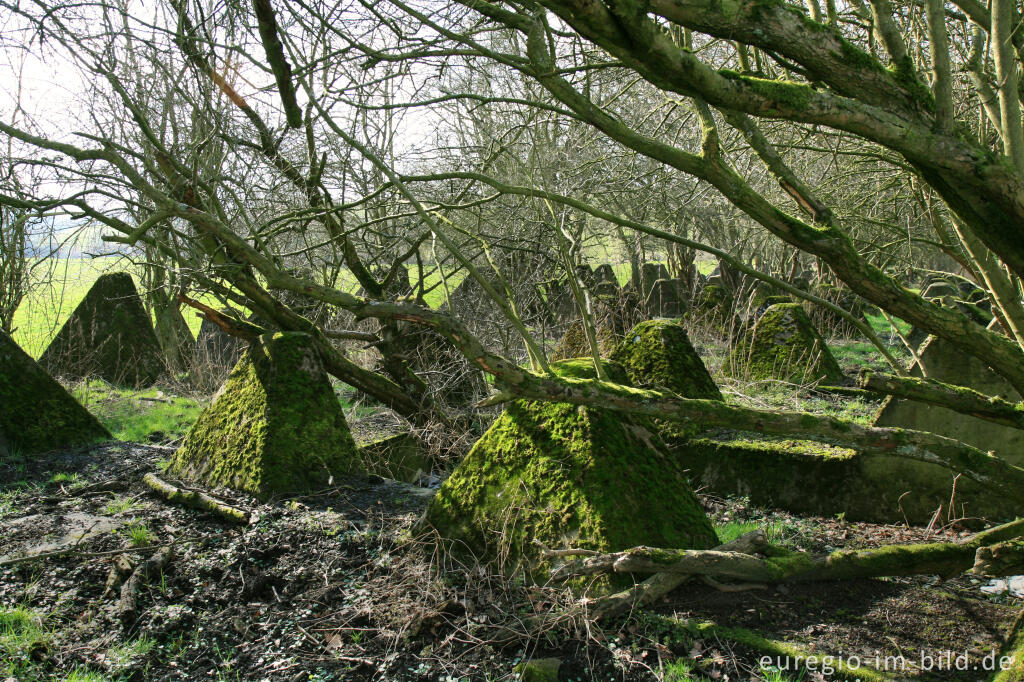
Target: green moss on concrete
<point x="109" y="335"/>
<point x="274" y="427"/>
<point x="573" y="343"/>
<point x="658" y="354"/>
<point x="583" y="368"/>
<point x="566" y="476"/>
<point x="785" y="345"/>
<point x="819" y="478"/>
<point x="36" y="413"/>
<point x="400" y="457"/>
<point x="539" y="670"/>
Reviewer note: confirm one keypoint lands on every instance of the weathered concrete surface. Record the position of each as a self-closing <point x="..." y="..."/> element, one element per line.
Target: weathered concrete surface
<point x="784" y="345"/>
<point x="36" y="413"/>
<point x="945" y="363"/>
<point x="276" y="425"/>
<point x="811" y="477"/>
<point x="216" y="347"/>
<point x="566" y="476"/>
<point x="666" y="299"/>
<point x="109" y="335"/>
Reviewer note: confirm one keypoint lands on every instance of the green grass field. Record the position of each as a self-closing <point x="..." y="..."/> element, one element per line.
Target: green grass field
<point x="48" y="305"/>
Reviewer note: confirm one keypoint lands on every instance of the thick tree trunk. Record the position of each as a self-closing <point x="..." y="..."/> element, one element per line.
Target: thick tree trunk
<point x="172" y="332"/>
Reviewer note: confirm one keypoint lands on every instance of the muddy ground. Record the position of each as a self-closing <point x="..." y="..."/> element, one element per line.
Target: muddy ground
<point x="336" y="586"/>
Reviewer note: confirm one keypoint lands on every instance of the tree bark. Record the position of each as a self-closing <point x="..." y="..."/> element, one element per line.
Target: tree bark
<point x="957" y="398"/>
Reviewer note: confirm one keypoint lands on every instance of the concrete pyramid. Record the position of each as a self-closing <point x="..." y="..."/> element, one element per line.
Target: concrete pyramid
<point x="566" y="476"/>
<point x="275" y="426"/>
<point x="785" y="345"/>
<point x="109" y="335"/>
<point x="658" y="354"/>
<point x="36" y="413"/>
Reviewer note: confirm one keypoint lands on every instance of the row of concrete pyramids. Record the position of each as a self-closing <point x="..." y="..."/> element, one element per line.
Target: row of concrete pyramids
<point x="276" y="425"/>
<point x="110" y="336"/>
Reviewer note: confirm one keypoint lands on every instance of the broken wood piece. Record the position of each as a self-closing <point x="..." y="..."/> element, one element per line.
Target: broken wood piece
<point x="1002" y="558"/>
<point x="660" y="584"/>
<point x="120" y="567"/>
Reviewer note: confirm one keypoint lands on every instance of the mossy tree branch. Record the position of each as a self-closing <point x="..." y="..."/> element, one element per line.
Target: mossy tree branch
<point x="957" y="398"/>
<point x="777" y="565"/>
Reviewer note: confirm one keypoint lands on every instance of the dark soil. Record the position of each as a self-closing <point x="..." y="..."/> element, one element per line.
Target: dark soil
<point x="337" y="586"/>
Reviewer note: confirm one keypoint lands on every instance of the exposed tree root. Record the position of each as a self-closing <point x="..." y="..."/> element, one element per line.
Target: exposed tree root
<point x="195" y="499"/>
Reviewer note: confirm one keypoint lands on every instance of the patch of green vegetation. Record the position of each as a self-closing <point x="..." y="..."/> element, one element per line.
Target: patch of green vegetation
<point x="119" y="505"/>
<point x="138" y="416"/>
<point x="7" y="504"/>
<point x="123" y="654"/>
<point x="882" y="327"/>
<point x="65" y="477"/>
<point x="138" y="534"/>
<point x="683" y="670"/>
<point x="857" y="355"/>
<point x="23" y="635"/>
<point x="85" y="675"/>
<point x="730" y="530"/>
<point x="775" y="675"/>
<point x="350" y="402"/>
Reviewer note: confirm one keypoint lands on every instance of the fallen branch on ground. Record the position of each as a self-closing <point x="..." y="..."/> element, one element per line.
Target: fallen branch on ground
<point x="127" y="607"/>
<point x="196" y="500"/>
<point x="72" y="549"/>
<point x="660" y="584"/>
<point x="120" y="567"/>
<point x="738" y="562"/>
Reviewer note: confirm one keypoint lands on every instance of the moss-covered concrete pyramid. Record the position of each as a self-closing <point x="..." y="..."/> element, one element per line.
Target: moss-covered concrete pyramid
<point x="785" y="345"/>
<point x="573" y="343"/>
<point x="275" y="426"/>
<point x="36" y="413"/>
<point x="109" y="335"/>
<point x="566" y="476"/>
<point x="658" y="354"/>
